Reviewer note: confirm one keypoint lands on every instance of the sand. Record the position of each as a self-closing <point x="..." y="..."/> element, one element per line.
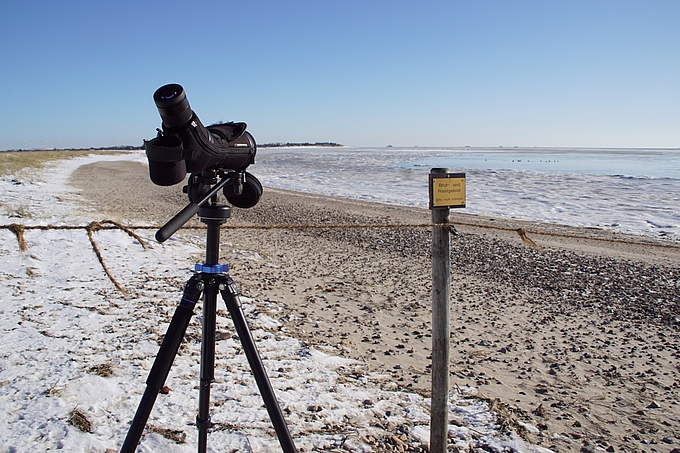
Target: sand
<point x="572" y="335"/>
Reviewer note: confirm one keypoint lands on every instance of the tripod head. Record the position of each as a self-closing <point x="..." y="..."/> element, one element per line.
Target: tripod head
<point x="240" y="188"/>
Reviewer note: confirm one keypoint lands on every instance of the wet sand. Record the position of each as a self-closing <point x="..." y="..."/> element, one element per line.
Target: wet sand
<point x="574" y="341"/>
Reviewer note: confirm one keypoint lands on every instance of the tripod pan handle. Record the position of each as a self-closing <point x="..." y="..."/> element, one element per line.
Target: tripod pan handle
<point x="176" y="222"/>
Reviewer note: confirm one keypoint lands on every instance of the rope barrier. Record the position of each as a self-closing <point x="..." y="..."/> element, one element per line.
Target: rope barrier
<point x="96" y="226"/>
<point x="522" y="232"/>
<point x="93" y="227"/>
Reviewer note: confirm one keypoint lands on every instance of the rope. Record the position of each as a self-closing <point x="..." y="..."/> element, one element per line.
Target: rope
<point x="527" y="240"/>
<point x="96" y="226"/>
<point x="18" y="230"/>
<point x="93" y="227"/>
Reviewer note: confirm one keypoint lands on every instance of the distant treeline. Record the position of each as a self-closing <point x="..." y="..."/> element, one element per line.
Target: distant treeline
<point x="130" y="147"/>
<point x="124" y="147"/>
<point x="102" y="148"/>
<point x="288" y="144"/>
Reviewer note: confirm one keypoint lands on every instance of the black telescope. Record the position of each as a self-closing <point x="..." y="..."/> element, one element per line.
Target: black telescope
<point x="184" y="145"/>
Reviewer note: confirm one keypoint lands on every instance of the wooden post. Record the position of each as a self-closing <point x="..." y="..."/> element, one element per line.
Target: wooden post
<point x="441" y="278"/>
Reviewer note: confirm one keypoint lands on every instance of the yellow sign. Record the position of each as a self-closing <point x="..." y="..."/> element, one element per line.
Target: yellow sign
<point x="447" y="190"/>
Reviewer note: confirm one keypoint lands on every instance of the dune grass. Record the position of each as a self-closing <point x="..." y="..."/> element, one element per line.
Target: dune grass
<point x="25" y="163"/>
<point x="29" y="165"/>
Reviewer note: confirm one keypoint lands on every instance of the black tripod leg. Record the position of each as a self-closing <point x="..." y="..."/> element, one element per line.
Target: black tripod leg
<point x="207" y="362"/>
<point x="231" y="299"/>
<point x="161" y="366"/>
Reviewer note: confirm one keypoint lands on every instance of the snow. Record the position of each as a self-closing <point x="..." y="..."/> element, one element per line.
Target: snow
<point x="73" y="345"/>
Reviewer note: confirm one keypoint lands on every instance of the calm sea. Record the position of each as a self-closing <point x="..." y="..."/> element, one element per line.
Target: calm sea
<point x="628" y="190"/>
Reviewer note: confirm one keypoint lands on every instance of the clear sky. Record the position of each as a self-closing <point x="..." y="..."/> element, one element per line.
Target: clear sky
<point x="362" y="73"/>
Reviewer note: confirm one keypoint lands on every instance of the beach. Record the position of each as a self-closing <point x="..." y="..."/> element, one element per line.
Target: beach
<point x="571" y="335"/>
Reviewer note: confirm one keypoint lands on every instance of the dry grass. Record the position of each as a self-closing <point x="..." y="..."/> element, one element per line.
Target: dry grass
<point x="26" y="162"/>
<point x="80" y="421"/>
<point x="177" y="435"/>
<point x="103" y="370"/>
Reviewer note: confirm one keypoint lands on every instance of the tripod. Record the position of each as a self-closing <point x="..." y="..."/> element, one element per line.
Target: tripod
<point x="209" y="279"/>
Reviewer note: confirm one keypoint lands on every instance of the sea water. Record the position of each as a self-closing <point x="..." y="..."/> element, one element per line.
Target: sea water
<point x="628" y="190"/>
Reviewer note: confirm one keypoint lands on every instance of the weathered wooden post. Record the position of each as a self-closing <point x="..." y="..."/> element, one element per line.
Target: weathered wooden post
<point x="445" y="192"/>
<point x="441" y="284"/>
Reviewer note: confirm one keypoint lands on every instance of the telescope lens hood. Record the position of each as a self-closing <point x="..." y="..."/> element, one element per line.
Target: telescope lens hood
<point x="166" y="165"/>
<point x="166" y="148"/>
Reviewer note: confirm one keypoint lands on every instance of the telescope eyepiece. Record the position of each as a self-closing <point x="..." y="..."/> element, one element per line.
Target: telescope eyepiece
<point x="173" y="105"/>
<point x="169" y="94"/>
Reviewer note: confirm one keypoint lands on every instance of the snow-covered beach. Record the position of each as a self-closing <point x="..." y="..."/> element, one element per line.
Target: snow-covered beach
<point x="341" y="322"/>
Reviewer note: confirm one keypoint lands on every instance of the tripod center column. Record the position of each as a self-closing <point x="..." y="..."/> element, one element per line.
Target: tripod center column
<point x="213" y="216"/>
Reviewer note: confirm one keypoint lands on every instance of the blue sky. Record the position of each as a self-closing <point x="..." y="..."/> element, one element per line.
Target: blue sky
<point x="361" y="73"/>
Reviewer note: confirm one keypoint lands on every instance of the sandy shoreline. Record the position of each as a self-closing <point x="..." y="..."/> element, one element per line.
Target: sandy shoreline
<point x="579" y="339"/>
